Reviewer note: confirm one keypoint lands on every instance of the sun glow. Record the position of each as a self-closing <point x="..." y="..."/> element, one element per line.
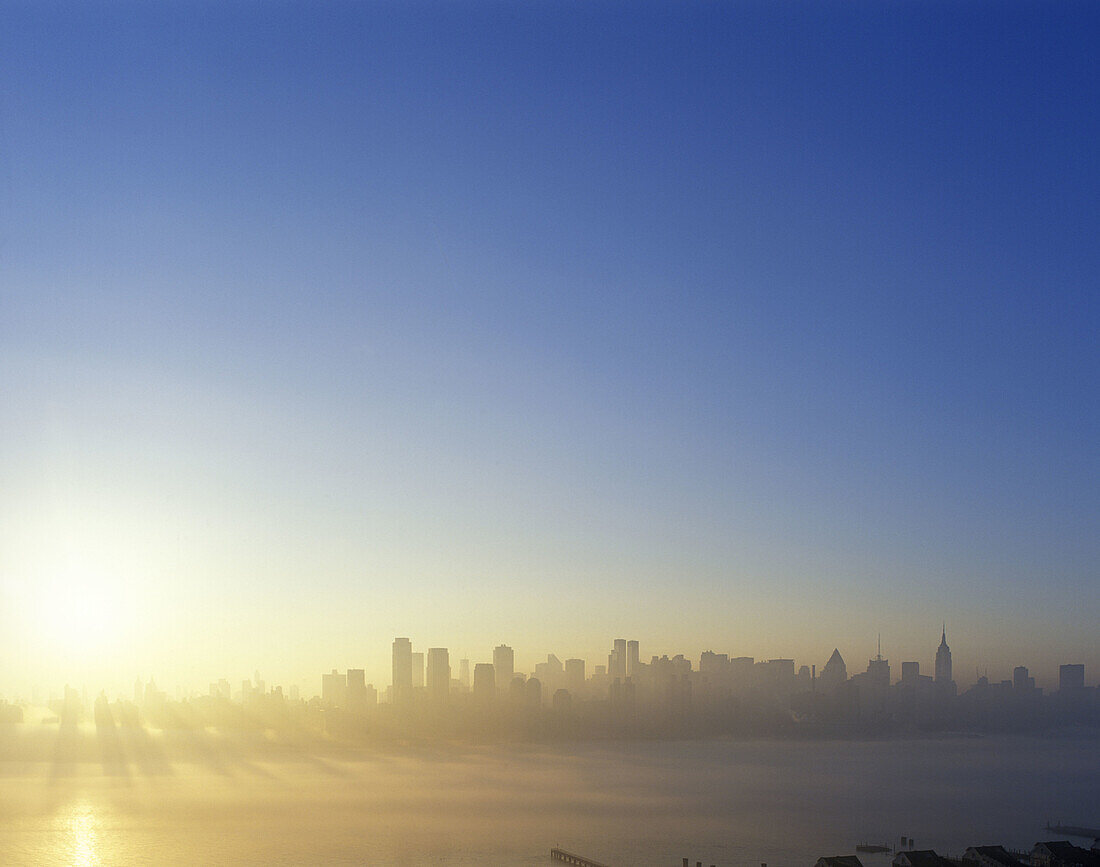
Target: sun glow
<point x="80" y="610"/>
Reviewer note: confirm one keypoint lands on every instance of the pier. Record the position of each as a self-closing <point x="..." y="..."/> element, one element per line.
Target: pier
<point x="569" y="858"/>
<point x="1073" y="830"/>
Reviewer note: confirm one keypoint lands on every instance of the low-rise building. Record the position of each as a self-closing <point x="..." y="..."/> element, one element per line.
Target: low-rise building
<point x="921" y="858"/>
<point x="1062" y="853"/>
<point x="839" y="861"/>
<point x="990" y="856"/>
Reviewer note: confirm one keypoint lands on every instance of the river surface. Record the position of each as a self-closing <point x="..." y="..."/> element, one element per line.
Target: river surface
<point x="726" y="803"/>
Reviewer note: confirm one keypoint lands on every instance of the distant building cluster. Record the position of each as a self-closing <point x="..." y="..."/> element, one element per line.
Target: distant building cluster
<point x="624" y="697"/>
<point x="673" y="696"/>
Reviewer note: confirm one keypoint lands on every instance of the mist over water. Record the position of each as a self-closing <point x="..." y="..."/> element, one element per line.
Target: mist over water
<point x="723" y="802"/>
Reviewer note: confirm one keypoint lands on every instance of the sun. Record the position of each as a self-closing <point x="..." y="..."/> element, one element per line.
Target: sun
<point x="80" y="609"/>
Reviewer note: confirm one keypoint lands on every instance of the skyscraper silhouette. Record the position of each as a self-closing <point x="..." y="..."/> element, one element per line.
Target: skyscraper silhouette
<point x="503" y="665"/>
<point x="1071" y="677"/>
<point x="834" y="673"/>
<point x="439" y="674"/>
<point x="943" y="659"/>
<point x="616" y="660"/>
<point x="574" y="676"/>
<point x="485" y="686"/>
<point x="402" y="671"/>
<point x="334" y="689"/>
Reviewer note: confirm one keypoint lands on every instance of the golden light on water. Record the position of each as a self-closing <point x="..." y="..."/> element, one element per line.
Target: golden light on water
<point x="81" y="822"/>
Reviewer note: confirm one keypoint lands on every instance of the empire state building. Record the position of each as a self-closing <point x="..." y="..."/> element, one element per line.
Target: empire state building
<point x="943" y="659"/>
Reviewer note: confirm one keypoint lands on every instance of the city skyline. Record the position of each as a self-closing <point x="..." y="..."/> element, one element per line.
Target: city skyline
<point x="623" y="697"/>
<point x="410" y="670"/>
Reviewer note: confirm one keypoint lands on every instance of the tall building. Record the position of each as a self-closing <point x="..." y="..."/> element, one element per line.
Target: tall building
<point x="1071" y="677"/>
<point x="878" y="670"/>
<point x="418" y="670"/>
<point x="464" y="673"/>
<point x="714" y="663"/>
<point x="574" y="676"/>
<point x="532" y="693"/>
<point x="775" y="675"/>
<point x="402" y="670"/>
<point x="943" y="659"/>
<point x="740" y="673"/>
<point x="504" y="665"/>
<point x="356" y="690"/>
<point x="834" y="673"/>
<point x="910" y="672"/>
<point x="484" y="684"/>
<point x="551" y="673"/>
<point x="632" y="659"/>
<point x="616" y="661"/>
<point x="439" y="674"/>
<point x="334" y="689"/>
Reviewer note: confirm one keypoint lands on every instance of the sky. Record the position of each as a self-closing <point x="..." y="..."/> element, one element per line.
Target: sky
<point x="762" y="328"/>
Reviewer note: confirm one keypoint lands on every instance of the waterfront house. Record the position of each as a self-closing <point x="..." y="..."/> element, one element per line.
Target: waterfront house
<point x="921" y="858"/>
<point x="1062" y="853"/>
<point x="990" y="856"/>
<point x="839" y="861"/>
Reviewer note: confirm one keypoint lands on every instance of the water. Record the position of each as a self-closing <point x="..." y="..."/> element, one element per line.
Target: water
<point x="723" y="803"/>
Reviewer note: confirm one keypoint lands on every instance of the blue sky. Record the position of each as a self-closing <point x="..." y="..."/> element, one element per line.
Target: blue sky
<point x="754" y="326"/>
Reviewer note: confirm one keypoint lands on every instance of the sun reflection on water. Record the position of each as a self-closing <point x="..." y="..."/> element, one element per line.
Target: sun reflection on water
<point x="81" y="823"/>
